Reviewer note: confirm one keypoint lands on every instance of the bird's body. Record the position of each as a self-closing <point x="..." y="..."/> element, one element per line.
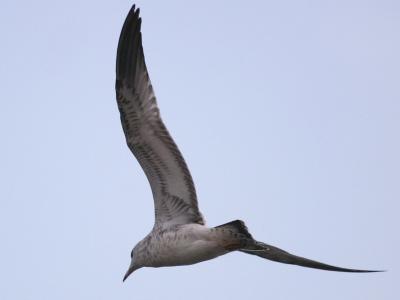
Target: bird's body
<point x="179" y="236"/>
<point x="183" y="245"/>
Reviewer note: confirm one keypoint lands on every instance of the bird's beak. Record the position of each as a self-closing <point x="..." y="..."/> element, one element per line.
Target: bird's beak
<point x="129" y="272"/>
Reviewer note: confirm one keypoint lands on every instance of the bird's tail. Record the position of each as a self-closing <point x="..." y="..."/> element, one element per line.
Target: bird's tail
<point x="275" y="254"/>
<point x="247" y="244"/>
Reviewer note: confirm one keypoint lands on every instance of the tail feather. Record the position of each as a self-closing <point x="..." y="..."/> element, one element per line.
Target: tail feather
<point x="253" y="247"/>
<point x="279" y="255"/>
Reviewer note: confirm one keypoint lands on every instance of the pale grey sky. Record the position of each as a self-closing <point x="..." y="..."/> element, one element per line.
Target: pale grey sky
<point x="287" y="113"/>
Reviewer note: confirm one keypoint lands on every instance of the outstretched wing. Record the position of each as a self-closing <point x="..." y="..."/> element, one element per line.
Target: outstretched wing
<point x="147" y="137"/>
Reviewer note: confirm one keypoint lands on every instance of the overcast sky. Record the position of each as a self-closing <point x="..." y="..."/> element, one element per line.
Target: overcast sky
<point x="287" y="113"/>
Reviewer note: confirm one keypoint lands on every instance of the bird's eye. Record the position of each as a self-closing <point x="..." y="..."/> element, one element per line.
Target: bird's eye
<point x="132" y="253"/>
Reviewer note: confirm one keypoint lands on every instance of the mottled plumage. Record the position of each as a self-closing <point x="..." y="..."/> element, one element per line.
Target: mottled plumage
<point x="179" y="235"/>
<point x="174" y="194"/>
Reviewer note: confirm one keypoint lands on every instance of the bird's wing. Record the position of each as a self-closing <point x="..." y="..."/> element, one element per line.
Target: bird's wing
<point x="147" y="137"/>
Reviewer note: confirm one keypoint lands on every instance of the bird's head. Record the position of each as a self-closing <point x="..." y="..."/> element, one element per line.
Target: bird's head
<point x="135" y="264"/>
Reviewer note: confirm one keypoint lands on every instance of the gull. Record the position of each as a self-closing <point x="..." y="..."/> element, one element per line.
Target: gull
<point x="180" y="235"/>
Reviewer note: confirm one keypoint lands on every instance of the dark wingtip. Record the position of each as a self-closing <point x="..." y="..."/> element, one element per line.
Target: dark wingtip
<point x="132" y="9"/>
<point x="129" y="52"/>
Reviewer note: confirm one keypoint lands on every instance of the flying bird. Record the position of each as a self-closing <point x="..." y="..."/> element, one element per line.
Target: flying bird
<point x="180" y="235"/>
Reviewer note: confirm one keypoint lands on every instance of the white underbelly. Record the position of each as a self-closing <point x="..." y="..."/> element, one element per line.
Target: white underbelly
<point x="187" y="249"/>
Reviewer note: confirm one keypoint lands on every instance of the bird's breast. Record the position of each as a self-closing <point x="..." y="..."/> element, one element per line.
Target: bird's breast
<point x="184" y="246"/>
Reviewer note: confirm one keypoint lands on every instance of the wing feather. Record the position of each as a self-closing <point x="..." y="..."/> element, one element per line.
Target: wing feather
<point x="174" y="194"/>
